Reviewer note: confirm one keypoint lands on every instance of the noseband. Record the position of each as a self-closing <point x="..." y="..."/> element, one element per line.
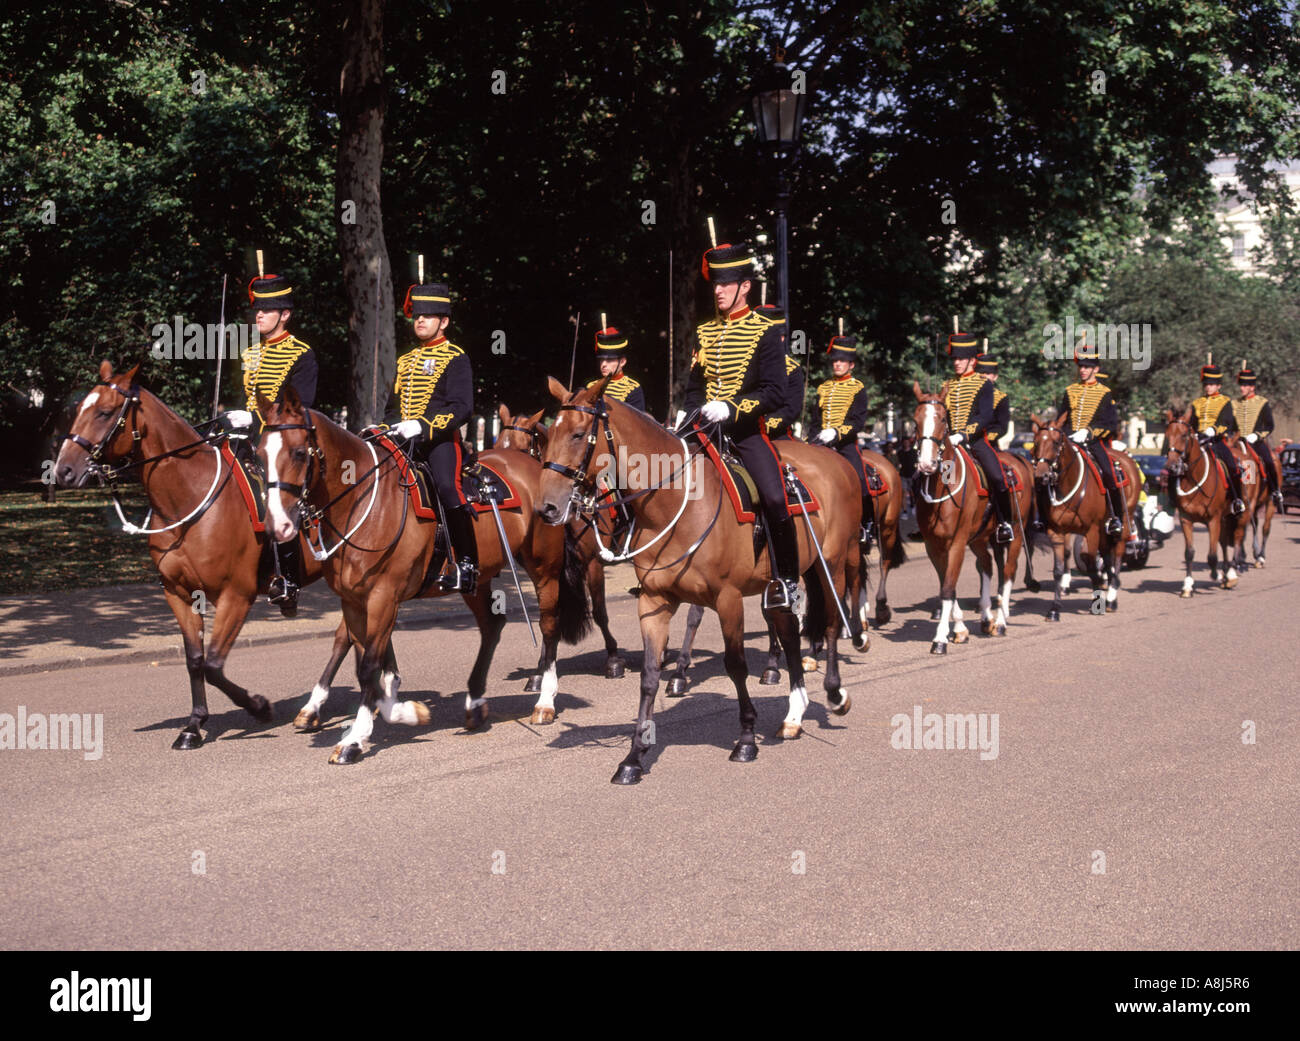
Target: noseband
<point x="535" y="439"/>
<point x="584" y="493"/>
<point x="131" y="398"/>
<point x="314" y="457"/>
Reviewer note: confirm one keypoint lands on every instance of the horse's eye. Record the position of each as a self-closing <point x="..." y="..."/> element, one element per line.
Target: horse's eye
<point x="299" y="454"/>
<point x="104" y="413"/>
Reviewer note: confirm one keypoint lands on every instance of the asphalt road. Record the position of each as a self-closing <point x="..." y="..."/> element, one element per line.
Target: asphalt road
<point x="1123" y="808"/>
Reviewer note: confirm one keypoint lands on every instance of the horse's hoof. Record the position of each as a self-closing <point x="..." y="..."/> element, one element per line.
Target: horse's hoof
<point x="677" y="687"/>
<point x="862" y="641"/>
<point x="938" y="648"/>
<point x="188" y="740"/>
<point x="346" y="755"/>
<point x="998" y="630"/>
<point x="626" y="774"/>
<point x="786" y="732"/>
<point x="1229" y="583"/>
<point x="306" y="720"/>
<point x="744" y="752"/>
<point x="770" y="678"/>
<point x="1259" y="562"/>
<point x="1185" y="594"/>
<point x="261" y="709"/>
<point x="1033" y="585"/>
<point x="1053" y="615"/>
<point x="534" y="684"/>
<point x="810" y="664"/>
<point x="986" y="626"/>
<point x="423" y="717"/>
<point x="839" y="701"/>
<point x="476" y="716"/>
<point x="614" y="669"/>
<point x="883" y="613"/>
<point x="542" y="716"/>
<point x="1112" y="606"/>
<point x="961" y="637"/>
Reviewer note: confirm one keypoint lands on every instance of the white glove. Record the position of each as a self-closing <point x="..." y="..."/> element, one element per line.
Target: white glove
<point x="715" y="411"/>
<point x="956" y="439"/>
<point x="1207" y="429"/>
<point x="1252" y="438"/>
<point x="827" y="435"/>
<point x="1079" y="437"/>
<point x="239" y="419"/>
<point x="407" y="428"/>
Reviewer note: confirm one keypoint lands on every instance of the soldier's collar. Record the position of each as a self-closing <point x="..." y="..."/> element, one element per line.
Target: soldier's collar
<point x="841" y="379"/>
<point x="437" y="341"/>
<point x="1089" y="383"/>
<point x="617" y="376"/>
<point x="738" y="313"/>
<point x="279" y="339"/>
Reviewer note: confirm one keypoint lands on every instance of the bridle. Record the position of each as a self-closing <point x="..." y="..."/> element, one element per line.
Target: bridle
<point x="1053" y="478"/>
<point x="922" y="479"/>
<point x="535" y="438"/>
<point x="1184" y="457"/>
<point x="130" y="399"/>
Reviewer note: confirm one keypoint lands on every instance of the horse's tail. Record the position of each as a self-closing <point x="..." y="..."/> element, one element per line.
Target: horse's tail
<point x="575" y="609"/>
<point x="898" y="554"/>
<point x="1031" y="583"/>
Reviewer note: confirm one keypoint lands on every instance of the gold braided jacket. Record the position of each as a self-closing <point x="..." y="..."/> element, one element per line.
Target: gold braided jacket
<point x="1209" y="412"/>
<point x="726" y="350"/>
<point x="958" y="397"/>
<point x="418" y="373"/>
<point x="1247" y="411"/>
<point x="1085" y="399"/>
<point x="267" y="365"/>
<point x="834" y="397"/>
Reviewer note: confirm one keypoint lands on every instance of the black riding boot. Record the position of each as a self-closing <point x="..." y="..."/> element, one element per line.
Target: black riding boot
<point x="1042" y="494"/>
<point x="285" y="582"/>
<point x="783" y="591"/>
<point x="1002" y="507"/>
<point x="1115" y="523"/>
<point x="1238" y="504"/>
<point x="463" y="578"/>
<point x="868" y="534"/>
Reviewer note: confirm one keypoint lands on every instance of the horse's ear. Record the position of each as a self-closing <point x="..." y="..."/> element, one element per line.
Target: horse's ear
<point x="558" y="390"/>
<point x="504" y="414"/>
<point x="264" y="404"/>
<point x="1169" y="416"/>
<point x="105" y="371"/>
<point x="1187" y="416"/>
<point x="291" y="398"/>
<point x="599" y="389"/>
<point x="1059" y="421"/>
<point x="1038" y="423"/>
<point x="916" y="389"/>
<point x="536" y="418"/>
<point x="129" y="378"/>
<point x="539" y="428"/>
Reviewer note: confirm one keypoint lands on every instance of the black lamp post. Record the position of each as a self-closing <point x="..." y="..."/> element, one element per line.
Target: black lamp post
<point x="780" y="104"/>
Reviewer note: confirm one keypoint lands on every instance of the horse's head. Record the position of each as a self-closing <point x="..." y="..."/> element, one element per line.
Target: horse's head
<point x="573" y="458"/>
<point x="104" y="429"/>
<point x="1049" y="441"/>
<point x="523" y="433"/>
<point x="1179" y="439"/>
<point x="287" y="450"/>
<point x="931" y="419"/>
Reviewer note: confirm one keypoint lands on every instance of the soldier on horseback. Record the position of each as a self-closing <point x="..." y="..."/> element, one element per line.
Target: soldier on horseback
<point x="1093" y="420"/>
<point x="435" y="395"/>
<point x="611" y="355"/>
<point x="987" y="366"/>
<point x="737" y="379"/>
<point x="969" y="401"/>
<point x="1216" y="420"/>
<point x="781" y="422"/>
<point x="279" y="360"/>
<point x="842" y="403"/>
<point x="1254" y="416"/>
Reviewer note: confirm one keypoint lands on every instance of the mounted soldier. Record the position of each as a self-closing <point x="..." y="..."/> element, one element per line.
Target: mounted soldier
<point x="969" y="401"/>
<point x="987" y="366"/>
<point x="1091" y="422"/>
<point x="279" y="360"/>
<point x="435" y="396"/>
<point x="611" y="355"/>
<point x="1216" y="420"/>
<point x="842" y="408"/>
<point x="781" y="423"/>
<point x="737" y="379"/>
<point x="1254" y="416"/>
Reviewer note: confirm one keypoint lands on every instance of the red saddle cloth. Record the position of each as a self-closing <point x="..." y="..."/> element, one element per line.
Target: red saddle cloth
<point x="741" y="499"/>
<point x="1009" y="474"/>
<point x="254" y="498"/>
<point x="1121" y="478"/>
<point x="1259" y="462"/>
<point x="422" y="496"/>
<point x="876" y="485"/>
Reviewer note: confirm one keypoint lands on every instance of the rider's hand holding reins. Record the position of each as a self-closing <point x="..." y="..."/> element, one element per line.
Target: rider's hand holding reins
<point x="239" y="419"/>
<point x="408" y="428"/>
<point x="826" y="435"/>
<point x="1079" y="437"/>
<point x="716" y="411"/>
<point x="956" y="439"/>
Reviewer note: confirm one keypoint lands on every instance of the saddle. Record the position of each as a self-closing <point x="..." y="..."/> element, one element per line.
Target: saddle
<point x="475" y="477"/>
<point x="1121" y="478"/>
<point x="1009" y="474"/>
<point x="741" y="488"/>
<point x="1263" y="466"/>
<point x="876" y="485"/>
<point x="251" y="485"/>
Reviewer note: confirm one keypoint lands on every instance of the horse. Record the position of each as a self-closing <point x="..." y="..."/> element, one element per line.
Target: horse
<point x="527" y="434"/>
<point x="204" y="545"/>
<point x="952" y="516"/>
<point x="381" y="552"/>
<point x="1204" y="499"/>
<point x="1252" y="462"/>
<point x="688" y="546"/>
<point x="1079" y="506"/>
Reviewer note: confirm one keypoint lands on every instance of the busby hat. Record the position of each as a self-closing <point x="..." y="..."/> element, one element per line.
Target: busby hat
<point x="727" y="263"/>
<point x="843" y="348"/>
<point x="1211" y="373"/>
<point x="434" y="298"/>
<point x="1247" y="377"/>
<point x="963" y="345"/>
<point x="1086" y="354"/>
<point x="986" y="364"/>
<point x="270" y="293"/>
<point x="610" y="343"/>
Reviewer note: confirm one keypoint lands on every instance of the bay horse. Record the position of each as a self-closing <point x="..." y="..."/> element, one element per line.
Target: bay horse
<point x="382" y="550"/>
<point x="1252" y="462"/>
<point x="1203" y="495"/>
<point x="952" y="515"/>
<point x="689" y="547"/>
<point x="206" y="549"/>
<point x="1079" y="506"/>
<point x="527" y="434"/>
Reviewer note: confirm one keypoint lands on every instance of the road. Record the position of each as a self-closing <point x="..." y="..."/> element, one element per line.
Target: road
<point x="1143" y="794"/>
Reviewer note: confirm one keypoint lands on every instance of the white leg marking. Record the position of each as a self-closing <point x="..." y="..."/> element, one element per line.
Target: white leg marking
<point x="1004" y="608"/>
<point x="550" y="684"/>
<point x="798" y="705"/>
<point x="945" y="617"/>
<point x="1232" y="573"/>
<point x="1065" y="581"/>
<point x="361" y="729"/>
<point x="1188" y="583"/>
<point x="471" y="703"/>
<point x="1112" y="594"/>
<point x="317" y="698"/>
<point x="958" y="626"/>
<point x="986" y="596"/>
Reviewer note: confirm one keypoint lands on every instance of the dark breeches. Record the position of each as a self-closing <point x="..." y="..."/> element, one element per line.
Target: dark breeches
<point x="984" y="455"/>
<point x="1098" y="452"/>
<point x="759" y="457"/>
<point x="854" y="456"/>
<point x="443" y="460"/>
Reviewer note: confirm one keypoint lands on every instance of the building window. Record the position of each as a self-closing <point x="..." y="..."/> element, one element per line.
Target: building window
<point x="1238" y="247"/>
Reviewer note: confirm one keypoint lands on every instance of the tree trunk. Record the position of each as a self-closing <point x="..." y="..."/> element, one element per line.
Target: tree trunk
<point x="367" y="273"/>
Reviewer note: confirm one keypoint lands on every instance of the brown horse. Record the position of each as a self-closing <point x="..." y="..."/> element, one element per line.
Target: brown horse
<point x="1203" y="497"/>
<point x="952" y="515"/>
<point x="527" y="434"/>
<point x="1079" y="506"/>
<point x="381" y="551"/>
<point x="892" y="554"/>
<point x="205" y="547"/>
<point x="1252" y="460"/>
<point x="688" y="546"/>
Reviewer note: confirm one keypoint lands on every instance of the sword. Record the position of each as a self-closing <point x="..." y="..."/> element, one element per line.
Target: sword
<point x="510" y="557"/>
<point x="221" y="349"/>
<point x="789" y="474"/>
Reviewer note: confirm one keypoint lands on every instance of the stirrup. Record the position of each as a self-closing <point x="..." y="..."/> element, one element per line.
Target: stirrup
<point x="1238" y="507"/>
<point x="1114" y="527"/>
<point x="1003" y="533"/>
<point x="284" y="592"/>
<point x="463" y="578"/>
<point x="867" y="535"/>
<point x="782" y="594"/>
<point x="1277" y="499"/>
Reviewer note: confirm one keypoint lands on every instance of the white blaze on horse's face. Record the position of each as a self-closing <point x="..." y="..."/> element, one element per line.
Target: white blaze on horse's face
<point x="929" y="457"/>
<point x="281" y="526"/>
